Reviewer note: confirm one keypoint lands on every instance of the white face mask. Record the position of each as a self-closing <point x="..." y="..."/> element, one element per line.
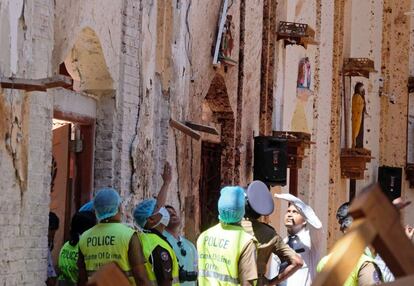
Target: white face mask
<point x="165" y="217"/>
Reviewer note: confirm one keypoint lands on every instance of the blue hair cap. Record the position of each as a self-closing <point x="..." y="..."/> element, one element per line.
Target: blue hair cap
<point x="106" y="203"/>
<point x="231" y="204"/>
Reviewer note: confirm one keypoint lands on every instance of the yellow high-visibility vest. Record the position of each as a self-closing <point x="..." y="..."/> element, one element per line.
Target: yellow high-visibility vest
<point x="219" y="249"/>
<point x="149" y="242"/>
<point x="68" y="268"/>
<point x="105" y="243"/>
<point x="352" y="279"/>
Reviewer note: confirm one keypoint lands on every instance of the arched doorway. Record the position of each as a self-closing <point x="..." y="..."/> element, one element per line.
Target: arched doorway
<point x="76" y="112"/>
<point x="217" y="158"/>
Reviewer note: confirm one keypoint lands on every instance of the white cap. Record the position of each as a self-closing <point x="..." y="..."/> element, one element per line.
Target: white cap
<point x="303" y="208"/>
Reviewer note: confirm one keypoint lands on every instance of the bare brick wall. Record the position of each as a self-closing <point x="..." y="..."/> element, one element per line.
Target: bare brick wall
<point x="130" y="90"/>
<point x="104" y="141"/>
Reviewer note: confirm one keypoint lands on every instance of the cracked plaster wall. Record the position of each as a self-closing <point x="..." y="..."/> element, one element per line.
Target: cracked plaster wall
<point x="193" y="34"/>
<point x="25" y="154"/>
<point x="139" y="103"/>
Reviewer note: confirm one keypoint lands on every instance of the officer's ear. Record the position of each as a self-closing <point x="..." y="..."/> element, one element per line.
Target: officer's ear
<point x="150" y="222"/>
<point x="153" y="220"/>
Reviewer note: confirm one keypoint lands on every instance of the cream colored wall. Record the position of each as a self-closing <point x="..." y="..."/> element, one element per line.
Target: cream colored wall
<point x="365" y="36"/>
<point x="103" y="17"/>
<point x="314" y="178"/>
<point x="409" y="193"/>
<point x="397" y="62"/>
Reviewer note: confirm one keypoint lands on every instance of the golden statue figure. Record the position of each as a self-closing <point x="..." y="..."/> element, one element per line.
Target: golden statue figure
<point x="358" y="110"/>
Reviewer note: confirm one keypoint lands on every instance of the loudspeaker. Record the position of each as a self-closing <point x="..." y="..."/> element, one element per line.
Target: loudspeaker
<point x="390" y="179"/>
<point x="270" y="160"/>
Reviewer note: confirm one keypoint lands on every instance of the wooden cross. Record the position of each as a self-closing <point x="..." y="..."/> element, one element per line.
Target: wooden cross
<point x="377" y="223"/>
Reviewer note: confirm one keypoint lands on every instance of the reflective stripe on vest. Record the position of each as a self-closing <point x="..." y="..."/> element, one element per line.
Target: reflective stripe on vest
<point x="149" y="242"/>
<point x="127" y="273"/>
<point x="352" y="279"/>
<point x="218" y="276"/>
<point x="219" y="249"/>
<point x="105" y="243"/>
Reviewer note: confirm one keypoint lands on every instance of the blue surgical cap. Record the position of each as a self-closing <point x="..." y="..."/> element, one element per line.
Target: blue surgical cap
<point x="143" y="211"/>
<point x="106" y="203"/>
<point x="88" y="207"/>
<point x="231" y="204"/>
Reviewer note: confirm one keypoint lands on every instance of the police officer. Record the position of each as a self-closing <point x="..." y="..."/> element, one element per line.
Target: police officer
<point x="260" y="203"/>
<point x="162" y="264"/>
<point x="227" y="254"/>
<point x="184" y="249"/>
<point x="366" y="272"/>
<point x="152" y="217"/>
<point x="68" y="256"/>
<point x="110" y="241"/>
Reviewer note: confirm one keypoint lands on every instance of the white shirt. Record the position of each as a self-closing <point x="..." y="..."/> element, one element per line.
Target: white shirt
<point x="311" y="240"/>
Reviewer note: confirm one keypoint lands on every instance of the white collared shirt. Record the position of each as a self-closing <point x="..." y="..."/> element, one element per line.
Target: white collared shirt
<point x="311" y="240"/>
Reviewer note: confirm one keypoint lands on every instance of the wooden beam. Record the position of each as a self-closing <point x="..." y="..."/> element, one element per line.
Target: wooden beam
<point x="185" y="129"/>
<point x="58" y="81"/>
<point x="392" y="244"/>
<point x="36" y="84"/>
<point x="202" y="128"/>
<point x="346" y="253"/>
<point x="376" y="223"/>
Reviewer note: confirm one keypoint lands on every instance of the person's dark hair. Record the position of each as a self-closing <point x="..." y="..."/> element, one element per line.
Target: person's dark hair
<point x="358" y="86"/>
<point x="343" y="217"/>
<point x="250" y="213"/>
<point x="53" y="221"/>
<point x="81" y="222"/>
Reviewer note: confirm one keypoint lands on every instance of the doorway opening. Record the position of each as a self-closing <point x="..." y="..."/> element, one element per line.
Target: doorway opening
<point x="210" y="183"/>
<point x="71" y="172"/>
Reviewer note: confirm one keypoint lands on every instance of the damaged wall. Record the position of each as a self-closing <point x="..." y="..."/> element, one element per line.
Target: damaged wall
<point x="315" y="107"/>
<point x="346" y="29"/>
<point x="395" y="70"/>
<point x="194" y="27"/>
<point x="25" y="156"/>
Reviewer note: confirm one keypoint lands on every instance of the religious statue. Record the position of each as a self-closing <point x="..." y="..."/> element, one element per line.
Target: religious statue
<point x="358" y="111"/>
<point x="304" y="74"/>
<point x="227" y="41"/>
